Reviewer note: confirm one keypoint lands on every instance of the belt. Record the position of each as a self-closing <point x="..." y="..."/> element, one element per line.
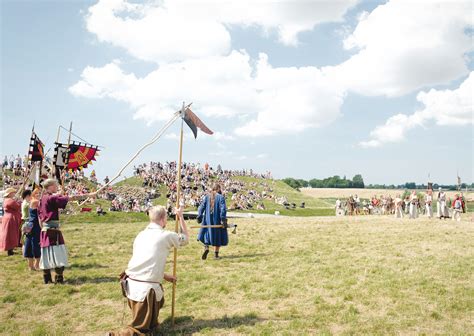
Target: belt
<point x="153" y="282"/>
<point x="50" y="225"/>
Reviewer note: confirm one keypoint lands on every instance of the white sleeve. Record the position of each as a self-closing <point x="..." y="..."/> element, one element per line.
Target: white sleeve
<point x="177" y="239"/>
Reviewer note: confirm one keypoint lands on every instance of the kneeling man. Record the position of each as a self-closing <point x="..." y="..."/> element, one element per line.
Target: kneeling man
<point x="146" y="271"/>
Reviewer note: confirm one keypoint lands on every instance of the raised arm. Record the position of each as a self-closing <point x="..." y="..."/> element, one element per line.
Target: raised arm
<point x="78" y="197"/>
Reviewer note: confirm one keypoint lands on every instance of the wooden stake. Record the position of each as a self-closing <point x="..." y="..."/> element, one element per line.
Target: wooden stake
<point x="178" y="194"/>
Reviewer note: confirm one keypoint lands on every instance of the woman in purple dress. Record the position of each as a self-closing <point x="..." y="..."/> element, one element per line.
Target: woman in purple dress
<point x="53" y="249"/>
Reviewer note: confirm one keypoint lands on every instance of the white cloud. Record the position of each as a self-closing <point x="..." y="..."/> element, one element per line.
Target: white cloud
<point x="175" y="136"/>
<point x="222" y="136"/>
<point x="218" y="86"/>
<point x="281" y="99"/>
<point x="157" y="33"/>
<point x="399" y="47"/>
<point x="407" y="45"/>
<point x="444" y="107"/>
<point x="292" y="99"/>
<point x="175" y="30"/>
<point x="108" y="81"/>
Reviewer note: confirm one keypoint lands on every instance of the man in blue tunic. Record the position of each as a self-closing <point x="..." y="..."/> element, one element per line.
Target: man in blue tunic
<point x="213" y="211"/>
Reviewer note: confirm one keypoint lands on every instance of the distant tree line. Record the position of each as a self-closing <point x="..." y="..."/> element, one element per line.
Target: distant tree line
<point x="358" y="182"/>
<point x="330" y="182"/>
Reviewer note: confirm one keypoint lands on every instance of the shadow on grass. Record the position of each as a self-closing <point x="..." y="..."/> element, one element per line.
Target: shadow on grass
<point x="243" y="256"/>
<point x="85" y="280"/>
<point x="88" y="266"/>
<point x="186" y="325"/>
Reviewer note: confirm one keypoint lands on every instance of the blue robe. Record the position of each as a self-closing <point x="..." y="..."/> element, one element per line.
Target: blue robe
<point x="213" y="236"/>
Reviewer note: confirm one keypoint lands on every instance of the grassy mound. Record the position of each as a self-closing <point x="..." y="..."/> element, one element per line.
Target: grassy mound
<point x="313" y="207"/>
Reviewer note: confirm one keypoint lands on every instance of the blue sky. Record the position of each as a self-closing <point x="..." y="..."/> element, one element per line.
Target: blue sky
<point x="349" y="73"/>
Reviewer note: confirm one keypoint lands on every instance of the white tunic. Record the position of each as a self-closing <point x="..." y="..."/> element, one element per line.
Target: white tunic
<point x="150" y="250"/>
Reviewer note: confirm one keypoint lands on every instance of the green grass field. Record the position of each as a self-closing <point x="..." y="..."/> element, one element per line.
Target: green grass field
<point x="284" y="276"/>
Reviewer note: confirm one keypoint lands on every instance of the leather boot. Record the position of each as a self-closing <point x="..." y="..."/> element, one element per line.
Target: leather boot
<point x="58" y="278"/>
<point x="47" y="277"/>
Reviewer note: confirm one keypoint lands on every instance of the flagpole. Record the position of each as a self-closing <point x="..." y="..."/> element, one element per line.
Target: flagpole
<point x="63" y="177"/>
<point x="53" y="167"/>
<point x="178" y="195"/>
<point x="26" y="176"/>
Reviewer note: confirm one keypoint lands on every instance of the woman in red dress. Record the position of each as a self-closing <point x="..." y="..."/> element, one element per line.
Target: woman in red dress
<point x="11" y="222"/>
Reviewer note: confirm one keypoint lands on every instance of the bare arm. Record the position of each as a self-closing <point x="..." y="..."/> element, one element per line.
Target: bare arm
<point x="77" y="197"/>
<point x="182" y="223"/>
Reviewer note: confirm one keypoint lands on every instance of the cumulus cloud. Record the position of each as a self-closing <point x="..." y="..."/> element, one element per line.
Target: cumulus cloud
<point x="219" y="86"/>
<point x="399" y="47"/>
<point x="292" y="99"/>
<point x="403" y="46"/>
<point x="176" y="30"/>
<point x="280" y="99"/>
<point x="443" y="107"/>
<point x="156" y="33"/>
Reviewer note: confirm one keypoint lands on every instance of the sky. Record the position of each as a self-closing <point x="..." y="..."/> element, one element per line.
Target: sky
<point x="304" y="89"/>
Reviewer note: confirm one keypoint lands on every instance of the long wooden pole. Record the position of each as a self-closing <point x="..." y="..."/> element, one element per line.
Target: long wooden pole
<point x="178" y="195"/>
<point x="151" y="142"/>
<point x="63" y="177"/>
<point x="53" y="166"/>
<point x="26" y="177"/>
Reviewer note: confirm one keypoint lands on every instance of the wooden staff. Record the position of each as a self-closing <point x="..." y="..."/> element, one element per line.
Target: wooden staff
<point x="67" y="155"/>
<point x="178" y="194"/>
<point x="206" y="226"/>
<point x="53" y="168"/>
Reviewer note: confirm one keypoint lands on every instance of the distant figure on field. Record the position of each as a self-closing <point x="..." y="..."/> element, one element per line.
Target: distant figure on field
<point x="429" y="203"/>
<point x="213" y="211"/>
<point x="442" y="208"/>
<point x="457" y="208"/>
<point x="350" y="205"/>
<point x="413" y="205"/>
<point x="142" y="281"/>
<point x="338" y="207"/>
<point x="406" y="202"/>
<point x="398" y="207"/>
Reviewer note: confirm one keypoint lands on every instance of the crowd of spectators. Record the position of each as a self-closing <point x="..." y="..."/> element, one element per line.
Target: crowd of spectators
<point x="159" y="179"/>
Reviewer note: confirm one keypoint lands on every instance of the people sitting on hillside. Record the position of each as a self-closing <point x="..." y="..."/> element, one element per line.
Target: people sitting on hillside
<point x="100" y="211"/>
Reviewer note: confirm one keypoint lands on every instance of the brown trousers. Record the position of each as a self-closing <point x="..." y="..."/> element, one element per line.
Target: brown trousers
<point x="144" y="316"/>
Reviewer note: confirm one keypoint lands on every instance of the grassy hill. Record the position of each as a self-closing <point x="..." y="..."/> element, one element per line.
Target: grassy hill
<point x="313" y="207"/>
<point x="278" y="276"/>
